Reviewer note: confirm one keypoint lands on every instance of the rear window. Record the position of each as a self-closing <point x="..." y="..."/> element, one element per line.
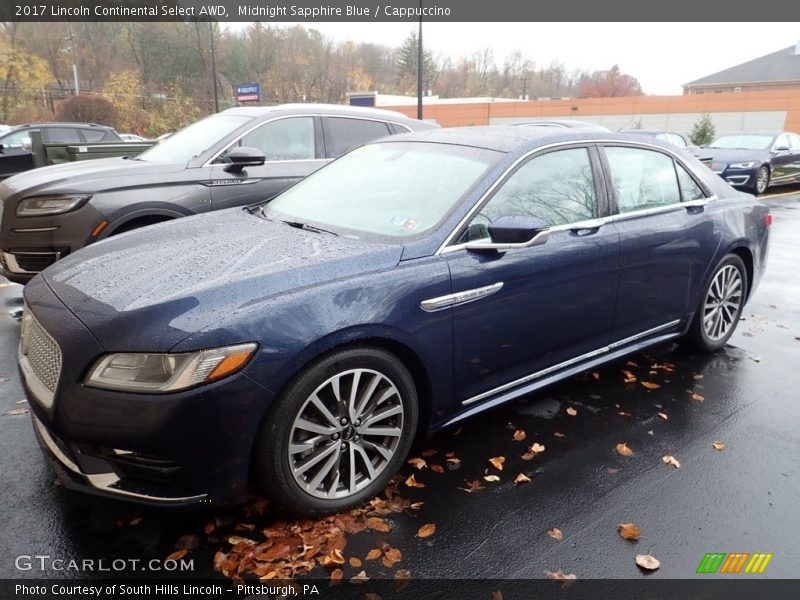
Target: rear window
<point x="346" y="134"/>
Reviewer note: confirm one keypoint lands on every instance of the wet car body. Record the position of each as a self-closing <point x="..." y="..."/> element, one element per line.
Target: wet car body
<point x="461" y="319"/>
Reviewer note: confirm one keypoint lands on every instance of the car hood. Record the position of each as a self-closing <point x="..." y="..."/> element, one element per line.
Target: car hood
<point x="88" y="176"/>
<point x="730" y="155"/>
<point x="151" y="288"/>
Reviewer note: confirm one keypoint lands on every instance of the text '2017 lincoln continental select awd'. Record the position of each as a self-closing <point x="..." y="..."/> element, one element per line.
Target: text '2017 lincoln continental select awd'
<point x="419" y="280"/>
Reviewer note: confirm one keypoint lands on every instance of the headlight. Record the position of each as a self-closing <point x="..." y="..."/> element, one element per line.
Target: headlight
<point x="158" y="373"/>
<point x="742" y="165"/>
<point x="36" y="206"/>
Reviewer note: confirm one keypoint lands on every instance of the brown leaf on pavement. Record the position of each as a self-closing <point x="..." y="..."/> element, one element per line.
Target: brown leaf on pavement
<point x="717" y="445"/>
<point x="650" y="385"/>
<point x="418" y="463"/>
<point x="555" y="533"/>
<point x="401" y="579"/>
<point x="519" y="435"/>
<point x="360" y="578"/>
<point x="412" y="482"/>
<point x="178" y="555"/>
<point x="17" y="411"/>
<point x="426" y="530"/>
<point x="571" y="411"/>
<point x="333" y="558"/>
<point x="336" y="576"/>
<point x="672" y="461"/>
<point x="623" y="449"/>
<point x="429" y="452"/>
<point x="491" y="478"/>
<point x="473" y="486"/>
<point x="628" y="376"/>
<point x="558" y="434"/>
<point x="697" y="397"/>
<point x="497" y="462"/>
<point x="391" y="556"/>
<point x="373" y="554"/>
<point x="521" y="478"/>
<point x="378" y="524"/>
<point x="560" y="575"/>
<point x="647" y="562"/>
<point x="354" y="562"/>
<point x="437" y="469"/>
<point x="663" y="416"/>
<point x="629" y="531"/>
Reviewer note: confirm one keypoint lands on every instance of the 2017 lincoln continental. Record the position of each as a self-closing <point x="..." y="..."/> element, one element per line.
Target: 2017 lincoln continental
<point x="299" y="346"/>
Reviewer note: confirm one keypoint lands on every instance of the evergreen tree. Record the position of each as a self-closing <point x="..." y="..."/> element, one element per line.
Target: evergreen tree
<point x="703" y="131"/>
<point x="406" y="65"/>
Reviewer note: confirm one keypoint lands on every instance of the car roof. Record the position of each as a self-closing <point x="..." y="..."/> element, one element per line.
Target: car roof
<point x="649" y="131"/>
<point x="567" y="123"/>
<point x="510" y="138"/>
<point x="58" y="124"/>
<point x="335" y="109"/>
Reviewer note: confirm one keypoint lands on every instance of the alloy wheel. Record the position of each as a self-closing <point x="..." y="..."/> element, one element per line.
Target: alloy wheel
<point x="723" y="302"/>
<point x="345" y="433"/>
<point x="762" y="180"/>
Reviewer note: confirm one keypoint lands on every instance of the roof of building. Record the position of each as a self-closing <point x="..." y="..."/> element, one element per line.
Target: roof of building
<point x="783" y="65"/>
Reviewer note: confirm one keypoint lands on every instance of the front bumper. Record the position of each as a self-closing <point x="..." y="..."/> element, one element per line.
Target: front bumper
<point x="738" y="178"/>
<point x="190" y="447"/>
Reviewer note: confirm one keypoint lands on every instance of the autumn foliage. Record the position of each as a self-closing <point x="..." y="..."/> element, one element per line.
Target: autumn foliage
<point x="87" y="108"/>
<point x="609" y="84"/>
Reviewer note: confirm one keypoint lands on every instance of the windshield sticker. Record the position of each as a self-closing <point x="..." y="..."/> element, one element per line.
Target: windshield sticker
<point x="402" y="222"/>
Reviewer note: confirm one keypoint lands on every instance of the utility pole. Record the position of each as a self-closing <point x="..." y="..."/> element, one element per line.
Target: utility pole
<point x="420" y="55"/>
<point x="75" y="77"/>
<point x="214" y="67"/>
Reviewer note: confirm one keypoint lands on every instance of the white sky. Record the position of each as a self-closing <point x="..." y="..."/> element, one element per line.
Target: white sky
<point x="661" y="55"/>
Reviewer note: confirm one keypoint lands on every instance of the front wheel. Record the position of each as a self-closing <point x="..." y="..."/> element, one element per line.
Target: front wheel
<point x="338" y="433"/>
<point x="720" y="306"/>
<point x="762" y="180"/>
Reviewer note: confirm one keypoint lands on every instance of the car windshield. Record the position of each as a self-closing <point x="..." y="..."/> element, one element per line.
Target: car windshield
<point x="386" y="192"/>
<point x="193" y="140"/>
<point x="743" y="141"/>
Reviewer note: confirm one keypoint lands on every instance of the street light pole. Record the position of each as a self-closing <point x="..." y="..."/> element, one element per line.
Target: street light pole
<point x="420" y="79"/>
<point x="75" y="77"/>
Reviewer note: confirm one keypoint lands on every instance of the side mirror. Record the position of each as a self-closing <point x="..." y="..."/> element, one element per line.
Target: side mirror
<point x="244" y="157"/>
<point x="509" y="232"/>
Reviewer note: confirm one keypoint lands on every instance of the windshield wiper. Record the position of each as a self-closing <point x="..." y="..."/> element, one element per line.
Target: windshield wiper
<point x="307" y="227"/>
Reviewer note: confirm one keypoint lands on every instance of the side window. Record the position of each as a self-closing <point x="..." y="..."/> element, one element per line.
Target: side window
<point x="689" y="189"/>
<point x="62" y="135"/>
<point x="642" y="178"/>
<point x="781" y="142"/>
<point x="93" y="135"/>
<point x="284" y="139"/>
<point x="14" y="140"/>
<point x="346" y="134"/>
<point x="795" y="140"/>
<point x="557" y="187"/>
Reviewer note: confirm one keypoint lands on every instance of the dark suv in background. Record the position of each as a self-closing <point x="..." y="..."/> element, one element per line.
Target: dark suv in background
<point x="15" y="143"/>
<point x="237" y="157"/>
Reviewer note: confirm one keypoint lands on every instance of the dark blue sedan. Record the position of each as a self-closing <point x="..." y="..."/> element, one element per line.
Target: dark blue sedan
<point x="299" y="346"/>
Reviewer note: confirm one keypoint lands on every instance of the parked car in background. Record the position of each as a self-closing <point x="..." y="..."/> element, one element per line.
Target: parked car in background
<point x="563" y="124"/>
<point x="676" y="139"/>
<point x="236" y="157"/>
<point x="756" y="161"/>
<point x="132" y="137"/>
<point x="416" y="281"/>
<point x="15" y="142"/>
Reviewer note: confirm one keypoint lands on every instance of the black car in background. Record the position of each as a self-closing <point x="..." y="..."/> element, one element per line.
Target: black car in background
<point x="237" y="157"/>
<point x="756" y="161"/>
<point x="15" y="142"/>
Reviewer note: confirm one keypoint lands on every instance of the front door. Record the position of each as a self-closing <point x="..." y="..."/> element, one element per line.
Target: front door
<point x="541" y="306"/>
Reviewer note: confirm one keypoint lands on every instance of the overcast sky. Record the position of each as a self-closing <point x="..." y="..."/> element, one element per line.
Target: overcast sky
<point x="661" y="55"/>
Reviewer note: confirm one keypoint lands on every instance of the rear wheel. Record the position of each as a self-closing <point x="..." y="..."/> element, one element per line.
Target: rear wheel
<point x="762" y="180"/>
<point x="720" y="306"/>
<point x="338" y="433"/>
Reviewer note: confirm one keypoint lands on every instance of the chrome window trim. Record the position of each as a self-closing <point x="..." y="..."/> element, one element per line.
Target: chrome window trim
<point x="459" y="298"/>
<point x="445" y="246"/>
<point x="569" y="362"/>
<point x="210" y="161"/>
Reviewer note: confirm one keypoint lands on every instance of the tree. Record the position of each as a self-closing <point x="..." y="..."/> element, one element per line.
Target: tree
<point x="23" y="74"/>
<point x="703" y="131"/>
<point x="406" y="65"/>
<point x="608" y="84"/>
<point x="87" y="108"/>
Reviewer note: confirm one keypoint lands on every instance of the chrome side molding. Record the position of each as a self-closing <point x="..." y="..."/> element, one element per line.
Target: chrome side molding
<point x="449" y="300"/>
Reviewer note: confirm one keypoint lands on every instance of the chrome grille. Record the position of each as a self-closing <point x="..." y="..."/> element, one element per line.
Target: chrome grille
<point x="41" y="350"/>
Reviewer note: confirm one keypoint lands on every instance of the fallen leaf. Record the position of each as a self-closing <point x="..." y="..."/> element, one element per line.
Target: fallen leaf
<point x="630" y="363"/>
<point x="629" y="531"/>
<point x="612" y="471"/>
<point x="360" y="578"/>
<point x="391" y="556"/>
<point x="595" y="375"/>
<point x="437" y="469"/>
<point x="337" y="575"/>
<point x="571" y="411"/>
<point x="647" y="562"/>
<point x="418" y="463"/>
<point x="334" y="557"/>
<point x="663" y="416"/>
<point x="558" y="434"/>
<point x="178" y="555"/>
<point x="428" y="453"/>
<point x="555" y="533"/>
<point x="378" y="524"/>
<point x="497" y="462"/>
<point x="21" y="401"/>
<point x="17" y="411"/>
<point x="372" y="596"/>
<point x="718" y="445"/>
<point x="628" y="376"/>
<point x="519" y="435"/>
<point x="536" y="448"/>
<point x="497" y="595"/>
<point x="623" y="413"/>
<point x="491" y="478"/>
<point x="454" y="461"/>
<point x="697" y="376"/>
<point x="650" y="385"/>
<point x="188" y="542"/>
<point x="373" y="554"/>
<point x="209" y="528"/>
<point x="521" y="478"/>
<point x="354" y="562"/>
<point x="560" y="575"/>
<point x="401" y="579"/>
<point x="426" y="530"/>
<point x="698" y="397"/>
<point x="473" y="486"/>
<point x="672" y="461"/>
<point x="412" y="482"/>
<point x="624" y="450"/>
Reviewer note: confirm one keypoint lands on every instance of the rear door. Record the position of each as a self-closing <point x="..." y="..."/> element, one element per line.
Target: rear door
<point x="293" y="150"/>
<point x="666" y="239"/>
<point x="14" y="158"/>
<point x="342" y="134"/>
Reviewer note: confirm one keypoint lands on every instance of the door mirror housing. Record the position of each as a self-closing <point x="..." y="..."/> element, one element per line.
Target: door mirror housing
<point x="509" y="232"/>
<point x="244" y="157"/>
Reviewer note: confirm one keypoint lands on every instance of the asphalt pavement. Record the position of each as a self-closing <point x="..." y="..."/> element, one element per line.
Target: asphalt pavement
<point x="742" y="497"/>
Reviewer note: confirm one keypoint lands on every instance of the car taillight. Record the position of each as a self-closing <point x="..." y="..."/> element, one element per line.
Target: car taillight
<point x="768" y="220"/>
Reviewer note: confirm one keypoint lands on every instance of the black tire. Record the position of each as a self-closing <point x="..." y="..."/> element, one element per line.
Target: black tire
<point x="699" y="335"/>
<point x="272" y="471"/>
<point x="761" y="182"/>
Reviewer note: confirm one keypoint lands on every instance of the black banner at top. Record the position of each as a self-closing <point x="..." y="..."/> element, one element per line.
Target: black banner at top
<point x="394" y="10"/>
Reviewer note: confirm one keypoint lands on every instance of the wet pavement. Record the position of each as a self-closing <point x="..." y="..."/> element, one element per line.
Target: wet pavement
<point x="742" y="498"/>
